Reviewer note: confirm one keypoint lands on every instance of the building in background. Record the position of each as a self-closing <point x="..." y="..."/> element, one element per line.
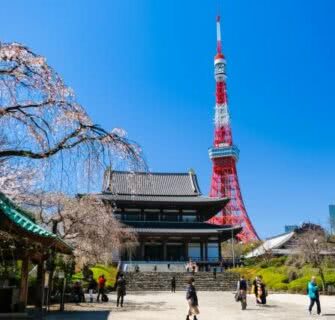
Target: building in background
<point x="290" y="228"/>
<point x="332" y="218"/>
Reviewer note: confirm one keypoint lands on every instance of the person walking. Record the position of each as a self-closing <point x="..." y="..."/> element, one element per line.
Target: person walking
<point x="261" y="291"/>
<point x="242" y="289"/>
<point x="314" y="296"/>
<point x="254" y="287"/>
<point x="192" y="300"/>
<point x="173" y="284"/>
<point x="101" y="286"/>
<point x="78" y="292"/>
<point x="120" y="290"/>
<point x="92" y="285"/>
<point x="194" y="268"/>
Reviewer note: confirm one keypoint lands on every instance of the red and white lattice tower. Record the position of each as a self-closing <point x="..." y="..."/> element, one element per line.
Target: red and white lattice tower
<point x="224" y="155"/>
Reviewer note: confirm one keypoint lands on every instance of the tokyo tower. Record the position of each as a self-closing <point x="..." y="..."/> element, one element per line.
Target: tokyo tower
<point x="224" y="155"/>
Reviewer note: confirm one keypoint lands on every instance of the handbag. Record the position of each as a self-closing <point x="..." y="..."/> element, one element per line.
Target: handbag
<point x="238" y="297"/>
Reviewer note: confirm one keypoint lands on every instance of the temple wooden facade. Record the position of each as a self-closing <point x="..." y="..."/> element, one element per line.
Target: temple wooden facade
<point x="169" y="214"/>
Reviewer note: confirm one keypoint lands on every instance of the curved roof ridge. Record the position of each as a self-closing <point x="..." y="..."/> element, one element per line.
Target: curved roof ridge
<point x="152" y="173"/>
<point x="152" y="183"/>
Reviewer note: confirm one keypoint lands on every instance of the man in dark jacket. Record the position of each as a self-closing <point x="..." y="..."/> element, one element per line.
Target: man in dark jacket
<point x="242" y="289"/>
<point x="173" y="284"/>
<point x="92" y="285"/>
<point x="192" y="299"/>
<point x="120" y="290"/>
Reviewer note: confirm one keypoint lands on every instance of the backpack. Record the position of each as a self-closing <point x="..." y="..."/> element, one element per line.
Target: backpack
<point x="104" y="298"/>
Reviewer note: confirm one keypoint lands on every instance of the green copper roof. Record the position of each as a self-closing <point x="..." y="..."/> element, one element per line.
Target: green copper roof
<point x="22" y="218"/>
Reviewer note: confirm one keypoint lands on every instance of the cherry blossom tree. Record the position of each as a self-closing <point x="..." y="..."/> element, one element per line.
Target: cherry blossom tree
<point x="44" y="128"/>
<point x="50" y="150"/>
<point x="85" y="223"/>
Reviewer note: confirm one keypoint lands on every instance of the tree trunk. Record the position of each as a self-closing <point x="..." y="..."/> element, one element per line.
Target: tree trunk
<point x="323" y="281"/>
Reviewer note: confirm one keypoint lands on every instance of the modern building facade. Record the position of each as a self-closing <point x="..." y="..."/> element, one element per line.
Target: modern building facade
<point x="290" y="228"/>
<point x="169" y="214"/>
<point x="332" y="217"/>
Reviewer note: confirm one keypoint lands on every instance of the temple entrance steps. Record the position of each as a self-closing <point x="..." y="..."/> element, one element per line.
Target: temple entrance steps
<point x="155" y="266"/>
<point x="161" y="281"/>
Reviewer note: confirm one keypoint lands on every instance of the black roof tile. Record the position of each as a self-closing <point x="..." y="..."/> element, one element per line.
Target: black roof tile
<point x="151" y="184"/>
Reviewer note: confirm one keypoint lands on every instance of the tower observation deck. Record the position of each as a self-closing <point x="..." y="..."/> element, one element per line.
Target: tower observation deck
<point x="224" y="155"/>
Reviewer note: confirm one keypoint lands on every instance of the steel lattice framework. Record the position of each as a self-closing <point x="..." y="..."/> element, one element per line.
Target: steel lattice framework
<point x="224" y="155"/>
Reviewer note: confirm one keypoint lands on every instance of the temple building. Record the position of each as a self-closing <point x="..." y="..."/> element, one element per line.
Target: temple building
<point x="169" y="214"/>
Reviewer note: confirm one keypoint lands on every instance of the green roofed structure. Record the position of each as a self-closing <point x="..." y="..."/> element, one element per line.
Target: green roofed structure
<point x="23" y="239"/>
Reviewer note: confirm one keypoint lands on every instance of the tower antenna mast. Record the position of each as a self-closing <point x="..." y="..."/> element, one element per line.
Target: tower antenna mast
<point x="224" y="155"/>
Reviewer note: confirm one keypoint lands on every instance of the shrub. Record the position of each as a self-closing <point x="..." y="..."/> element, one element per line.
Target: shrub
<point x="299" y="285"/>
<point x="99" y="269"/>
<point x="280" y="287"/>
<point x="330" y="277"/>
<point x="277" y="262"/>
<point x="279" y="274"/>
<point x="292" y="275"/>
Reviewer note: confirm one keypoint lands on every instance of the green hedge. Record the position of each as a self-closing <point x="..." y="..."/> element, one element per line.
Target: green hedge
<point x="280" y="277"/>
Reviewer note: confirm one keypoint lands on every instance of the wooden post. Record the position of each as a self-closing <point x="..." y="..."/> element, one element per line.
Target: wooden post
<point x="40" y="284"/>
<point x="24" y="283"/>
<point x="206" y="249"/>
<point x="186" y="250"/>
<point x="142" y="249"/>
<point x="219" y="247"/>
<point x="164" y="250"/>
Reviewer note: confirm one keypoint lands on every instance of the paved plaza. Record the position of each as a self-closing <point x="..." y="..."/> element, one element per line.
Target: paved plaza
<point x="213" y="305"/>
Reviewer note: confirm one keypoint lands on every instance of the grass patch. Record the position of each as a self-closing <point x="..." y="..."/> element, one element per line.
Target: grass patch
<point x="98" y="270"/>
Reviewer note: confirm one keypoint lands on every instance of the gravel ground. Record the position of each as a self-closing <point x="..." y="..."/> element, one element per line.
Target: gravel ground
<point x="213" y="305"/>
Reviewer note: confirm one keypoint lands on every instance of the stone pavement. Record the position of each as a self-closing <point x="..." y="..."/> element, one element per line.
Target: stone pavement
<point x="213" y="305"/>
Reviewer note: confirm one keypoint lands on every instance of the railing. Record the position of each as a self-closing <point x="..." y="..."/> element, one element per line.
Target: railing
<point x="195" y="259"/>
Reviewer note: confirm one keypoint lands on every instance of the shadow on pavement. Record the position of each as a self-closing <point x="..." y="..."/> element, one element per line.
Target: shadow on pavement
<point x="144" y="306"/>
<point x="79" y="315"/>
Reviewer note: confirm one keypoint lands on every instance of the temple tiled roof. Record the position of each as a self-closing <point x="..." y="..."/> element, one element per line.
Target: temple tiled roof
<point x="174" y="225"/>
<point x="182" y="228"/>
<point x="24" y="220"/>
<point x="161" y="188"/>
<point x="163" y="199"/>
<point x="152" y="184"/>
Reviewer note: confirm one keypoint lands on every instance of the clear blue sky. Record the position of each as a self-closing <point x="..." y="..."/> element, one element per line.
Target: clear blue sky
<point x="147" y="66"/>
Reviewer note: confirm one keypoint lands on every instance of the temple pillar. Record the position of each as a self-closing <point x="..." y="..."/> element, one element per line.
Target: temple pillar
<point x="142" y="250"/>
<point x="206" y="250"/>
<point x="24" y="283"/>
<point x="40" y="284"/>
<point x="219" y="246"/>
<point x="164" y="250"/>
<point x="186" y="250"/>
<point x="201" y="250"/>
